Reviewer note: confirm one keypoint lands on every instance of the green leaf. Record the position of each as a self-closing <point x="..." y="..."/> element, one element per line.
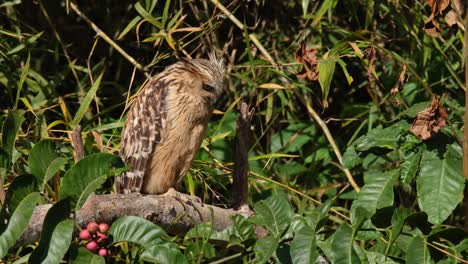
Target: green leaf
<point x="242" y="228"/>
<point x="21" y="187"/>
<point x="44" y="162"/>
<point x="136" y="230"/>
<point x="24" y="74"/>
<point x="87" y="175"/>
<point x="305" y="7"/>
<point x="379" y="137"/>
<point x="417" y="251"/>
<point x="351" y="158"/>
<point x="164" y="253"/>
<point x="410" y="165"/>
<point x="359" y="215"/>
<point x="415" y="109"/>
<point x="40" y="157"/>
<point x="304" y="246"/>
<point x="18" y="222"/>
<point x="165" y="12"/>
<point x="56" y="235"/>
<point x="84" y="106"/>
<point x="129" y="27"/>
<point x="11" y="127"/>
<point x="342" y="246"/>
<point x="148" y="17"/>
<point x="349" y="78"/>
<point x="275" y="213"/>
<point x="377" y="191"/>
<point x="264" y="248"/>
<point x="398" y="221"/>
<point x="206" y="232"/>
<point x="378" y="258"/>
<point x="440" y="183"/>
<point x="326" y="69"/>
<point x="84" y="256"/>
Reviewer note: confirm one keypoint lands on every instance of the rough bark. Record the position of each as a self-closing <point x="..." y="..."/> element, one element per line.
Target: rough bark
<point x="173" y="215"/>
<point x="240" y="184"/>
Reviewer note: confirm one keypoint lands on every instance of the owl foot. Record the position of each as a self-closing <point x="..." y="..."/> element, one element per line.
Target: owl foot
<point x="182" y="197"/>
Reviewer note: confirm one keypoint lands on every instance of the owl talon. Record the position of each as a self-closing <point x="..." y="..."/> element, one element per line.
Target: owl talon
<point x="182" y="197"/>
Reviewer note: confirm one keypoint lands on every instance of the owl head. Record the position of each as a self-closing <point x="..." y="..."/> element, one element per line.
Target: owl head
<point x="211" y="75"/>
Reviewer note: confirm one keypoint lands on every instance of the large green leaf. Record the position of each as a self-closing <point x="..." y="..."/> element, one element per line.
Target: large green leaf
<point x="137" y="230"/>
<point x="164" y="253"/>
<point x="56" y="234"/>
<point x="440" y="183"/>
<point x="44" y="161"/>
<point x="84" y="106"/>
<point x="11" y="127"/>
<point x="326" y="70"/>
<point x="304" y="246"/>
<point x="342" y="249"/>
<point x="264" y="248"/>
<point x="87" y="175"/>
<point x="84" y="256"/>
<point x="18" y="222"/>
<point x="377" y="191"/>
<point x="274" y="213"/>
<point x="417" y="251"/>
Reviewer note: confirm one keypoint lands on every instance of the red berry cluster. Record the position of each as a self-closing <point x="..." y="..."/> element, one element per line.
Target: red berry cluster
<point x="95" y="237"/>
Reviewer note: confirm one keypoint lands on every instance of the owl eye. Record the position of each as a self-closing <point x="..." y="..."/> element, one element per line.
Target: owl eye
<point x="208" y="88"/>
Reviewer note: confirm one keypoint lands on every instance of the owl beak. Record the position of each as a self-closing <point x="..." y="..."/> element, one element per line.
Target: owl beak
<point x="212" y="101"/>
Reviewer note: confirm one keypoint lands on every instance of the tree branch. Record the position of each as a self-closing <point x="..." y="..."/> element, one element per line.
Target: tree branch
<point x="174" y="216"/>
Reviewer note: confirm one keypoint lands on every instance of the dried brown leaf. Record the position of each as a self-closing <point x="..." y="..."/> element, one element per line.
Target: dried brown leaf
<point x="98" y="138"/>
<point x="307" y="56"/>
<point x="430" y="120"/>
<point x="431" y="27"/>
<point x="459" y="7"/>
<point x="451" y="18"/>
<point x="438" y="6"/>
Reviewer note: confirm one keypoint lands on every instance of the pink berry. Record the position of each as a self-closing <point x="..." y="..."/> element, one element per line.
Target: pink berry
<point x="85" y="235"/>
<point x="92" y="227"/>
<point x="102" y="252"/>
<point x="92" y="246"/>
<point x="101" y="237"/>
<point x="103" y="228"/>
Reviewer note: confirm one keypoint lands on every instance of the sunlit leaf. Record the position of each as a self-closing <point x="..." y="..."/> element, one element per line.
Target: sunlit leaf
<point x="274" y="213"/>
<point x="440" y="183"/>
<point x="136" y="230"/>
<point x="87" y="175"/>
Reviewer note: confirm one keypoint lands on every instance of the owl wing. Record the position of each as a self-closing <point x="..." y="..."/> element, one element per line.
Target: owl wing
<point x="141" y="134"/>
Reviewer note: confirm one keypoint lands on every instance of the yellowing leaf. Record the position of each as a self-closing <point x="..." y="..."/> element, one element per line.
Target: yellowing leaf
<point x="272" y="86"/>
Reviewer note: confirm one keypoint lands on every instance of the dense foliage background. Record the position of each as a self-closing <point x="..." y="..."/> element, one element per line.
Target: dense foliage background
<point x="326" y="78"/>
